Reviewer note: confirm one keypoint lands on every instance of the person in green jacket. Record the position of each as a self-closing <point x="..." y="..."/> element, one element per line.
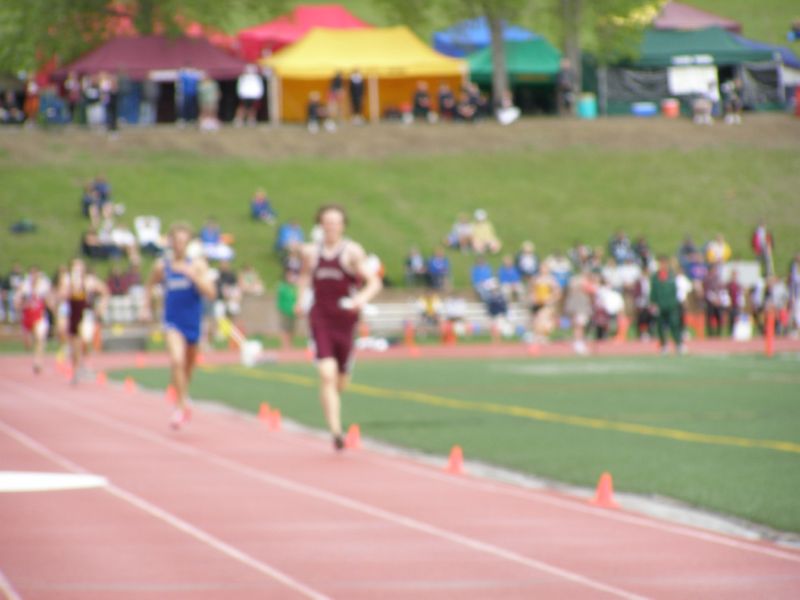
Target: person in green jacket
<point x="664" y="301"/>
<point x="287" y="298"/>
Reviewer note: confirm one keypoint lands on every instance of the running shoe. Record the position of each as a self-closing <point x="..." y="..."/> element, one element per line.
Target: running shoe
<point x="180" y="417"/>
<point x="338" y="442"/>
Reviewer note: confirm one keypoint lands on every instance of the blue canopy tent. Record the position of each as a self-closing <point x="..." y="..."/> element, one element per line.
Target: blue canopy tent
<point x="788" y="57"/>
<point x="472" y="35"/>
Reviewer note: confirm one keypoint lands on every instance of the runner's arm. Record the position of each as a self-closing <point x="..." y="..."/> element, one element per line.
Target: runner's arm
<point x="200" y="278"/>
<point x="102" y="289"/>
<point x="156" y="276"/>
<point x="372" y="281"/>
<point x="304" y="279"/>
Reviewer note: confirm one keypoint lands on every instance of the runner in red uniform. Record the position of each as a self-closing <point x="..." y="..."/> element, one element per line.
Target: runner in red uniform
<point x="333" y="269"/>
<point x="31" y="303"/>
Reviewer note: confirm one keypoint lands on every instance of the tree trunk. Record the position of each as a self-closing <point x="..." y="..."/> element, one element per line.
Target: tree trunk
<point x="499" y="72"/>
<point x="571" y="19"/>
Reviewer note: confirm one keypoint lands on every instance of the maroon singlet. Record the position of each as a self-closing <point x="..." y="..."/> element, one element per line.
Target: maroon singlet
<point x="331" y="325"/>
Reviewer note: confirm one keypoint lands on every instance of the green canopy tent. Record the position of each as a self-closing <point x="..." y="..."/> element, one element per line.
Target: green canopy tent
<point x="668" y="60"/>
<point x="532" y="66"/>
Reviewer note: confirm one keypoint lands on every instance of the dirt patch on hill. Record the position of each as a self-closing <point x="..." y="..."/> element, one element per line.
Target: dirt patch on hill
<point x="266" y="143"/>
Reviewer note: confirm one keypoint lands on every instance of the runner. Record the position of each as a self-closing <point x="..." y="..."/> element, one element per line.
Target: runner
<point x="186" y="281"/>
<point x="333" y="269"/>
<point x="81" y="290"/>
<point x="31" y="303"/>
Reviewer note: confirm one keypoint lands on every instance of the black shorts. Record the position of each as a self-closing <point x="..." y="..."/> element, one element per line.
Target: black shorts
<point x="334" y="341"/>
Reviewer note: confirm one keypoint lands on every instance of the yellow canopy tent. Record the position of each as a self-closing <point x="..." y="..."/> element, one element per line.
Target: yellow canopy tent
<point x="392" y="60"/>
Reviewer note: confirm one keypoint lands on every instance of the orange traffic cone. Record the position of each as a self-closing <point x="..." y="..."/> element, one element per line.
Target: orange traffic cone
<point x="409" y="335"/>
<point x="264" y="412"/>
<point x="171" y="394"/>
<point x="274" y="423"/>
<point x="101" y="379"/>
<point x="455" y="463"/>
<point x="623" y="324"/>
<point x="769" y="333"/>
<point x="129" y="385"/>
<point x="604" y="496"/>
<point x="353" y="439"/>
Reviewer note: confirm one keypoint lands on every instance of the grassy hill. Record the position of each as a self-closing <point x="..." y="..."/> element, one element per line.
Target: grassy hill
<point x="548" y="180"/>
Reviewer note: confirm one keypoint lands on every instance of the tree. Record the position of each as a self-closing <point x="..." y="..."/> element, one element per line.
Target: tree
<point x="34" y="31"/>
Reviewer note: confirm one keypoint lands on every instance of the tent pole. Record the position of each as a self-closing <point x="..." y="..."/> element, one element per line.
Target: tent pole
<point x="374" y="102"/>
<point x="274" y="99"/>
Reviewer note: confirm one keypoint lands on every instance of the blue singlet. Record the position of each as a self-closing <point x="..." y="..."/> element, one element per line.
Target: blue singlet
<point x="183" y="305"/>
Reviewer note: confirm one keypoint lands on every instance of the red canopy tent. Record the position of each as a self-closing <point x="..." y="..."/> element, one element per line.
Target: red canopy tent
<point x="676" y="15"/>
<point x="289" y="28"/>
<point x="139" y="56"/>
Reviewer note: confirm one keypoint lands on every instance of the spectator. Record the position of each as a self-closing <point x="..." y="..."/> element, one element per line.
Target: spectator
<point x="510" y="279"/>
<point x="356" y="96"/>
<point x="335" y="98"/>
<point x="566" y="85"/>
<point x="560" y="267"/>
<point x="315" y="113"/>
<point x="496" y="305"/>
<point x="287" y="300"/>
<point x="187" y="88"/>
<point x="526" y="260"/>
<point x="460" y="236"/>
<point x="261" y="207"/>
<point x="620" y="248"/>
<point x="95" y="113"/>
<point x="718" y="251"/>
<point x="608" y="303"/>
<point x="290" y="234"/>
<point x="228" y="291"/>
<point x="120" y="282"/>
<point x="732" y="101"/>
<point x="793" y="282"/>
<point x="684" y="287"/>
<point x="421" y="103"/>
<point x="477" y="100"/>
<point x="103" y="189"/>
<point x="148" y="108"/>
<point x="641" y="304"/>
<point x="293" y="260"/>
<point x="465" y="111"/>
<point x="90" y="204"/>
<point x="481" y="273"/>
<point x="763" y="244"/>
<point x="109" y="96"/>
<point x="716" y="300"/>
<point x="777" y="298"/>
<point x="687" y="252"/>
<point x="416" y="270"/>
<point x="148" y="234"/>
<point x="10" y="287"/>
<point x="209" y="95"/>
<point x="10" y="112"/>
<point x="642" y="252"/>
<point x="447" y="103"/>
<point x="430" y="308"/>
<point x="664" y="299"/>
<point x="737" y="300"/>
<point x="250" y="282"/>
<point x="31" y="105"/>
<point x="250" y="90"/>
<point x="439" y="270"/>
<point x="214" y="247"/>
<point x="578" y="306"/>
<point x="484" y="238"/>
<point x="92" y="247"/>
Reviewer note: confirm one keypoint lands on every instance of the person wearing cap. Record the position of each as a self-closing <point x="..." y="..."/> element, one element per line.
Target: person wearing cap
<point x="484" y="238"/>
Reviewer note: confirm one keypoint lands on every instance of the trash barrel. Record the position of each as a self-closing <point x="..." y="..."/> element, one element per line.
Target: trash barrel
<point x="587" y="106"/>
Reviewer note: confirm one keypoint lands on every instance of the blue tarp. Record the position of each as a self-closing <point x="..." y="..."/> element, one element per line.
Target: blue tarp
<point x="788" y="57"/>
<point x="472" y="35"/>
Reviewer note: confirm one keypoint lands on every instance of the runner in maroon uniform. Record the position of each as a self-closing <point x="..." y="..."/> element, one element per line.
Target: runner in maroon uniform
<point x="334" y="269"/>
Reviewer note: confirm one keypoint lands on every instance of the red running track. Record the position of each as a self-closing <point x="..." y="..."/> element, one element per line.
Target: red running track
<point x="225" y="509"/>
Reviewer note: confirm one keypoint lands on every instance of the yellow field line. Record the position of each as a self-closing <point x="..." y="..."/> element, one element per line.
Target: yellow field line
<point x="523" y="411"/>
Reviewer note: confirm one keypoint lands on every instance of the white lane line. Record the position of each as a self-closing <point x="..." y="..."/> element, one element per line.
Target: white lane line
<point x="546" y="498"/>
<point x="166" y="517"/>
<point x="8" y="591"/>
<point x="343" y="501"/>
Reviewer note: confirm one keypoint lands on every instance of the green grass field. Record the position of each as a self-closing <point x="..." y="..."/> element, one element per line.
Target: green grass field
<point x="716" y="432"/>
<point x="548" y="181"/>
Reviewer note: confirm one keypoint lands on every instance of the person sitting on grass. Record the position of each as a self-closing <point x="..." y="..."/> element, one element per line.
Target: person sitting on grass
<point x="439" y="270"/>
<point x="460" y="236"/>
<point x="261" y="207"/>
<point x="289" y="234"/>
<point x="526" y="260"/>
<point x="214" y="246"/>
<point x="484" y="238"/>
<point x="148" y="234"/>
<point x="416" y="270"/>
<point x="481" y="273"/>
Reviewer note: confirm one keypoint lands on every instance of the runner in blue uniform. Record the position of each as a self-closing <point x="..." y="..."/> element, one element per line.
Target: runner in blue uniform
<point x="185" y="281"/>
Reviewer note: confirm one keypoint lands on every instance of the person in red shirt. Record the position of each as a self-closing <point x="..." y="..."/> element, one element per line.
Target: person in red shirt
<point x="337" y="271"/>
<point x="31" y="302"/>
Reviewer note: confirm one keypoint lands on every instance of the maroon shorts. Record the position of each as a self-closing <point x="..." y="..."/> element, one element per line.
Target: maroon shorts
<point x="76" y="308"/>
<point x="334" y="341"/>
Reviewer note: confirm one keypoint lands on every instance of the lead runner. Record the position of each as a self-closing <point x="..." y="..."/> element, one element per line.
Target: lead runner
<point x="334" y="269"/>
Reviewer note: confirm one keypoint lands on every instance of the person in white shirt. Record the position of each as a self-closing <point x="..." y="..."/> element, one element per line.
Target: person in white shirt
<point x="250" y="89"/>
